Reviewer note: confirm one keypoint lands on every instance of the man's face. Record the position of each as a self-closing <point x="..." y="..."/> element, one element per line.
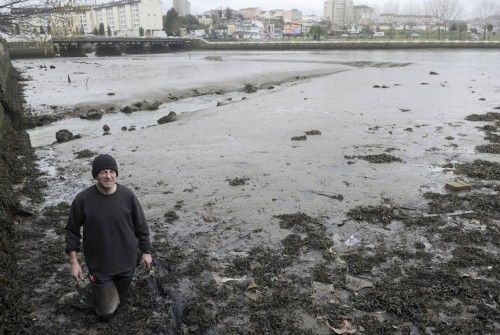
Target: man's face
<point x="106" y="179"/>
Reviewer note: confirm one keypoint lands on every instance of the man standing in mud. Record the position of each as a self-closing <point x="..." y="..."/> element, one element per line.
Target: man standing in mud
<point x="114" y="227"/>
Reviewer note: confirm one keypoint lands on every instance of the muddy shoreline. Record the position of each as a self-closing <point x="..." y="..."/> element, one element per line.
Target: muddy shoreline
<point x="255" y="233"/>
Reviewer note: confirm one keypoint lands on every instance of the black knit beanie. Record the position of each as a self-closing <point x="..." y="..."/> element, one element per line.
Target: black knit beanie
<point x="103" y="162"/>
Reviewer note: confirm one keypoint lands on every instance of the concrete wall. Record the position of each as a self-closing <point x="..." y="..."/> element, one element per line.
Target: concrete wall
<point x="30" y="50"/>
<point x="347" y="45"/>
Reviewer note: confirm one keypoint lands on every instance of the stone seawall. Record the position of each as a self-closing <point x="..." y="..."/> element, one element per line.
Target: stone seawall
<point x="342" y="45"/>
<point x="16" y="163"/>
<point x="30" y="50"/>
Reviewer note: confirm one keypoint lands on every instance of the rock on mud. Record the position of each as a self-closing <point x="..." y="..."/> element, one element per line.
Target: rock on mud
<point x="128" y="109"/>
<point x="458" y="185"/>
<point x="432" y="73"/>
<point x="171" y="117"/>
<point x="299" y="138"/>
<point x="64" y="135"/>
<point x="92" y="116"/>
<point x="313" y="132"/>
<point x="106" y="128"/>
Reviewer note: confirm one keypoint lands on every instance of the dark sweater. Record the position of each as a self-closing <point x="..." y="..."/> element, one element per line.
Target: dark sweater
<point x="114" y="227"/>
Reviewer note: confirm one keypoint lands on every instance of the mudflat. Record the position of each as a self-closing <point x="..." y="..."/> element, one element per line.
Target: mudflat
<point x="312" y="202"/>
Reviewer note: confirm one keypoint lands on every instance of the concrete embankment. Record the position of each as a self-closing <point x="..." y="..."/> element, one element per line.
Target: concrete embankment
<point x="30" y="50"/>
<point x="342" y="45"/>
<point x="16" y="163"/>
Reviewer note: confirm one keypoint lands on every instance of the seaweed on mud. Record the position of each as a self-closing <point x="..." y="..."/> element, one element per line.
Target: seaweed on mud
<point x="360" y="263"/>
<point x="197" y="265"/>
<point x="375" y="326"/>
<point x="489" y="148"/>
<point x="480" y="169"/>
<point x="54" y="217"/>
<point x="292" y="245"/>
<point x="491" y="116"/>
<point x="299" y="222"/>
<point x="377" y="159"/>
<point x="249" y="88"/>
<point x="422" y="296"/>
<point x="299" y="138"/>
<point x="373" y="214"/>
<point x="469" y="256"/>
<point x="461" y="236"/>
<point x="171" y="216"/>
<point x="313" y="132"/>
<point x="85" y="154"/>
<point x="489" y="127"/>
<point x="323" y="273"/>
<point x="424" y="221"/>
<point x="274" y="310"/>
<point x="485" y="204"/>
<point x="237" y="181"/>
<point x="492" y="137"/>
<point x="318" y="241"/>
<point x="261" y="263"/>
<point x="239" y="266"/>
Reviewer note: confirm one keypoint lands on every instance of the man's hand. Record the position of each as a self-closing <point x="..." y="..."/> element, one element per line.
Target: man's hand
<point x="146" y="261"/>
<point x="75" y="270"/>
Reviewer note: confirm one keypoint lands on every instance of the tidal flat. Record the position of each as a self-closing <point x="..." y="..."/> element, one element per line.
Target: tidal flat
<point x="350" y="229"/>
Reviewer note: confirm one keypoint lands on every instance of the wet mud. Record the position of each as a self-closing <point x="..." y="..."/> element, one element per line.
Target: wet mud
<point x="427" y="267"/>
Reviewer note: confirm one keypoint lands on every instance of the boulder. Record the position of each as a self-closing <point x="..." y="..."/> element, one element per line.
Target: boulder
<point x="106" y="128"/>
<point x="93" y="115"/>
<point x="152" y="106"/>
<point x="171" y="117"/>
<point x="64" y="135"/>
<point x="129" y="109"/>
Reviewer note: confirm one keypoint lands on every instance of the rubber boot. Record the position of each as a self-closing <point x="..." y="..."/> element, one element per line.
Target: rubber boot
<point x="122" y="286"/>
<point x="106" y="300"/>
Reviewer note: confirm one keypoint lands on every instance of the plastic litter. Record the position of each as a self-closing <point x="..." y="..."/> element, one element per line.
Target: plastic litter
<point x="352" y="241"/>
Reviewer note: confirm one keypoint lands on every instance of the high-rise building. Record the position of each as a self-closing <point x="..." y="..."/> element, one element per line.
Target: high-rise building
<point x="339" y="12"/>
<point x="183" y="7"/>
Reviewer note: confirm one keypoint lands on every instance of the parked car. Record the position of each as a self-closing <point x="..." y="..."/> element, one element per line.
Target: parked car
<point x="379" y="34"/>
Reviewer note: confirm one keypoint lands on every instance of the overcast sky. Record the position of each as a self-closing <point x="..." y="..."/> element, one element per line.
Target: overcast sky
<point x="306" y="6"/>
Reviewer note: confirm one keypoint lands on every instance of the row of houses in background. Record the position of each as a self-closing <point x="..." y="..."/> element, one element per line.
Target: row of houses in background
<point x="144" y="17"/>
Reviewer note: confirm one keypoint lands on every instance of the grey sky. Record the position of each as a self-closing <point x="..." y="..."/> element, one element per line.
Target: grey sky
<point x="306" y="6"/>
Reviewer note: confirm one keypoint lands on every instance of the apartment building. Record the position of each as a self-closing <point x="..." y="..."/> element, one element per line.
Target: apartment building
<point x="124" y="17"/>
<point x="183" y="7"/>
<point x="363" y="15"/>
<point x="339" y="13"/>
